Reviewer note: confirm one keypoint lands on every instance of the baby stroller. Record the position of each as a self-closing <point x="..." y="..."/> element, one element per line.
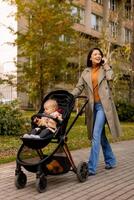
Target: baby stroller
<point x="34" y="155"/>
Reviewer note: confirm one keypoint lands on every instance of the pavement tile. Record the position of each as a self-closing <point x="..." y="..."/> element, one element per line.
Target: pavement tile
<point x="115" y="184"/>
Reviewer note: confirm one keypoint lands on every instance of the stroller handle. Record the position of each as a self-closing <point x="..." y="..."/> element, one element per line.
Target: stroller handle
<point x="82" y="97"/>
<point x="79" y="113"/>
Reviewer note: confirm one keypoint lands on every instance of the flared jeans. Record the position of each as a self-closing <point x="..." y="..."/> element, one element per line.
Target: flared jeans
<point x="99" y="139"/>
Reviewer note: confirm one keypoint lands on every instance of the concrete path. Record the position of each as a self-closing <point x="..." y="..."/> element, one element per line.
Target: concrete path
<point x="115" y="184"/>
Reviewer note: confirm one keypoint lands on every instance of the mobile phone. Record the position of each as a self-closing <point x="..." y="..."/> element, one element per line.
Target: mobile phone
<point x="102" y="61"/>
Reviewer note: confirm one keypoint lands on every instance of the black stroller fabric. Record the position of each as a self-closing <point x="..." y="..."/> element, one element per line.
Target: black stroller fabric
<point x="65" y="102"/>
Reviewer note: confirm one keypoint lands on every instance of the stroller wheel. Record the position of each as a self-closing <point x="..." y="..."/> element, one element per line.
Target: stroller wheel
<point x="41" y="183"/>
<point x="20" y="180"/>
<point x="82" y="171"/>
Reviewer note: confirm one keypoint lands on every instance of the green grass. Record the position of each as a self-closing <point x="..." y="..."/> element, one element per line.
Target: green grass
<point x="77" y="138"/>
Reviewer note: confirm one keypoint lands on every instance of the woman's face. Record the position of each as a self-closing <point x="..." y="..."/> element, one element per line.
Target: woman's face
<point x="96" y="57"/>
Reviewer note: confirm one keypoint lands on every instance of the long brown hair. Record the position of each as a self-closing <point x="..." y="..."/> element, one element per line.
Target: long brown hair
<point x="89" y="62"/>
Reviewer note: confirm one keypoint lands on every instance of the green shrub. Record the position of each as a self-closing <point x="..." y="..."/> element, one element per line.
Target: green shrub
<point x="125" y="111"/>
<point x="11" y="120"/>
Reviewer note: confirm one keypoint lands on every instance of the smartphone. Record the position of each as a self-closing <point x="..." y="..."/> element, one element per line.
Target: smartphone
<point x="102" y="61"/>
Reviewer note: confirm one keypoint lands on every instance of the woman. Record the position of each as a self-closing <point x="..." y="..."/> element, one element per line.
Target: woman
<point x="95" y="81"/>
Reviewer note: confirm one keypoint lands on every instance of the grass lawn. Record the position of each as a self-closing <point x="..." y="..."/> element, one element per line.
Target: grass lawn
<point x="77" y="138"/>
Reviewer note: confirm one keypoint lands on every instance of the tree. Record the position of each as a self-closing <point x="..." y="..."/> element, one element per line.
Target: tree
<point x="43" y="43"/>
<point x="117" y="54"/>
<point x="76" y="64"/>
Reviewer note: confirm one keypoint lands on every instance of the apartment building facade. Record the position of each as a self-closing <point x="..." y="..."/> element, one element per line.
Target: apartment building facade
<point x="114" y="16"/>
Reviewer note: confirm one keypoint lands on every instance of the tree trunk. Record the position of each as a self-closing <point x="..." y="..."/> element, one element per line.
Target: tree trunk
<point x="41" y="86"/>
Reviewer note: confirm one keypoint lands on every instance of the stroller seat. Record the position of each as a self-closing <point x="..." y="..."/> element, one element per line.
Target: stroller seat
<point x="37" y="143"/>
<point x="65" y="104"/>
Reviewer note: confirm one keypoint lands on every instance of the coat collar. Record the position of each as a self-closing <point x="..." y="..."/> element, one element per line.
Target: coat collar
<point x="88" y="77"/>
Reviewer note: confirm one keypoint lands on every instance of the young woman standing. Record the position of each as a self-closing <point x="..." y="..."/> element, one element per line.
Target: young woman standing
<point x="94" y="81"/>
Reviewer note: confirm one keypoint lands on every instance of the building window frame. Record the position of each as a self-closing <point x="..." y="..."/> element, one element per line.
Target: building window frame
<point x="113" y="28"/>
<point x="127" y="35"/>
<point x="113" y="5"/>
<point x="96" y="22"/>
<point x="98" y="1"/>
<point x="64" y="38"/>
<point x="128" y="11"/>
<point x="79" y="14"/>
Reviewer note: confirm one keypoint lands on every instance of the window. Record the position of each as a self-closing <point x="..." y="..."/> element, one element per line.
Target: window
<point x="98" y="1"/>
<point x="113" y="5"/>
<point x="96" y="22"/>
<point x="64" y="38"/>
<point x="78" y="14"/>
<point x="127" y="35"/>
<point x="113" y="29"/>
<point x="128" y="13"/>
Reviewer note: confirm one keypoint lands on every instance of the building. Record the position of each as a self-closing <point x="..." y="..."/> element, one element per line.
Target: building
<point x="113" y="17"/>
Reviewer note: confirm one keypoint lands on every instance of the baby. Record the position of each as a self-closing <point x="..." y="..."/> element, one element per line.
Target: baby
<point x="46" y="124"/>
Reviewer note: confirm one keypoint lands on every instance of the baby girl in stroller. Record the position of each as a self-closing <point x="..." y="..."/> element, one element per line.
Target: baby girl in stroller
<point x="46" y="123"/>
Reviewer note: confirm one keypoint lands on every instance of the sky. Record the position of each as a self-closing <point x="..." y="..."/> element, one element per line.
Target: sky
<point x="7" y="52"/>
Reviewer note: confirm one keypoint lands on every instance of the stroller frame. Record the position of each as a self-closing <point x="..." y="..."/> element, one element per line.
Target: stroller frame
<point x="40" y="168"/>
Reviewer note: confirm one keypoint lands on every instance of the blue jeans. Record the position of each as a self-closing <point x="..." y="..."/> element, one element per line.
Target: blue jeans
<point x="99" y="139"/>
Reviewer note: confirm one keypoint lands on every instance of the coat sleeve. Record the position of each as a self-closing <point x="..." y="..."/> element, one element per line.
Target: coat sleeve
<point x="79" y="87"/>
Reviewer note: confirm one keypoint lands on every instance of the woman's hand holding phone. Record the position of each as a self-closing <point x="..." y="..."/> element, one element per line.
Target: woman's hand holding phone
<point x="106" y="66"/>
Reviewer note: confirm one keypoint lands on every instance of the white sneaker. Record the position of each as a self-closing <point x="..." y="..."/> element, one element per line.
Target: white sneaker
<point x="26" y="136"/>
<point x="37" y="129"/>
<point x="34" y="136"/>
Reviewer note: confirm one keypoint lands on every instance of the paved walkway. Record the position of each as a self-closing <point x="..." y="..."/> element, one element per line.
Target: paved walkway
<point x="115" y="184"/>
